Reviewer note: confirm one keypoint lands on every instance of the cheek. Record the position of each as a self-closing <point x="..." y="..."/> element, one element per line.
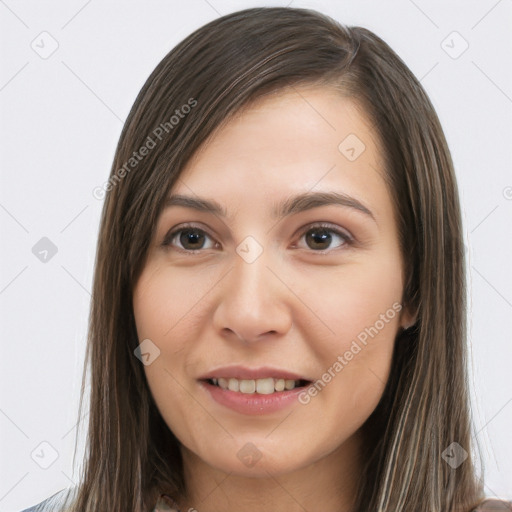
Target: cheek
<point x="164" y="299"/>
<point x="356" y="360"/>
<point x="352" y="300"/>
<point x="164" y="314"/>
<point x="358" y="313"/>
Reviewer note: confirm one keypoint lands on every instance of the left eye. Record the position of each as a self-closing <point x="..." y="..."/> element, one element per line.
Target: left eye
<point x="320" y="237"/>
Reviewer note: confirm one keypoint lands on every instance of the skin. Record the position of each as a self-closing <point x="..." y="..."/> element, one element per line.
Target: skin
<point x="292" y="308"/>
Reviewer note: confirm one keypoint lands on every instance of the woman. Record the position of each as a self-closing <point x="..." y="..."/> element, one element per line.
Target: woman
<point x="278" y="315"/>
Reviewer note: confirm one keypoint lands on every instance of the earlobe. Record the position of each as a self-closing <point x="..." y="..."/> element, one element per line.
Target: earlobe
<point x="408" y="318"/>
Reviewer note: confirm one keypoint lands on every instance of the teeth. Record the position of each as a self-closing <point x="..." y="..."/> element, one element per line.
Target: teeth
<point x="289" y="384"/>
<point x="234" y="385"/>
<point x="279" y="385"/>
<point x="247" y="386"/>
<point x="265" y="386"/>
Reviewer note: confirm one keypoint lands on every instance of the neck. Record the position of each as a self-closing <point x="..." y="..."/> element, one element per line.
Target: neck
<point x="328" y="484"/>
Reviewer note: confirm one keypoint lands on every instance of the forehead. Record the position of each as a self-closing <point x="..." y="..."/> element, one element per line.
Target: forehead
<point x="290" y="142"/>
<point x="304" y="118"/>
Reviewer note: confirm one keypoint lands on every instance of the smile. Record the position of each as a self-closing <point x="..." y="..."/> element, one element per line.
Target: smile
<point x="265" y="386"/>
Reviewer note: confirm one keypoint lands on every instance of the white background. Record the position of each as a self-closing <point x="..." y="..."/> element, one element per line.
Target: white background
<point x="61" y="118"/>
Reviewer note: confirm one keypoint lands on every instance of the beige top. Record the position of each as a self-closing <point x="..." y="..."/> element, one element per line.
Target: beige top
<point x="165" y="504"/>
<point x="491" y="505"/>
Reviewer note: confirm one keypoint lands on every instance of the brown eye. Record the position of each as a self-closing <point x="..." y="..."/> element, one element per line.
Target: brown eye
<point x="321" y="238"/>
<point x="191" y="239"/>
<point x="188" y="239"/>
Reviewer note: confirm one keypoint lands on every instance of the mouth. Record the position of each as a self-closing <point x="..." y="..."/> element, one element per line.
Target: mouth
<point x="264" y="386"/>
<point x="254" y="391"/>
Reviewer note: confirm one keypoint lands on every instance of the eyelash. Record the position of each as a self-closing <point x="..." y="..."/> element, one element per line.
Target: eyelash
<point x="347" y="239"/>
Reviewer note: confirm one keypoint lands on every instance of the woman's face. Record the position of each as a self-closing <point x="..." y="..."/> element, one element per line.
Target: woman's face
<point x="270" y="288"/>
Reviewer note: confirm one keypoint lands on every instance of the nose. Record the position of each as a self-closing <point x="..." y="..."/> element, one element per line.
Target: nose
<point x="253" y="303"/>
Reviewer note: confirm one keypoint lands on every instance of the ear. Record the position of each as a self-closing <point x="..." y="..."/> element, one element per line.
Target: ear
<point x="408" y="317"/>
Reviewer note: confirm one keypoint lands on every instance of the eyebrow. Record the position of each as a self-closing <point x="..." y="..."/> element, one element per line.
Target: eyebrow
<point x="290" y="206"/>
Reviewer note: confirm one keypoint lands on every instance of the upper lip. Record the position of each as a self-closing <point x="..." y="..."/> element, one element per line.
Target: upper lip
<point x="245" y="373"/>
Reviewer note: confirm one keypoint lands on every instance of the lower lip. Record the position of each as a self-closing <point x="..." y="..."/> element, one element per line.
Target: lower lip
<point x="254" y="403"/>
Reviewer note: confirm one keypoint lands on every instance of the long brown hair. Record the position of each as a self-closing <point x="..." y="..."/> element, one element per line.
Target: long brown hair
<point x="131" y="454"/>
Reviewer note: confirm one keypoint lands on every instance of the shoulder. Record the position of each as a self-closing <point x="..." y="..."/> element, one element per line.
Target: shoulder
<point x="493" y="505"/>
<point x="57" y="501"/>
<point x="54" y="503"/>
